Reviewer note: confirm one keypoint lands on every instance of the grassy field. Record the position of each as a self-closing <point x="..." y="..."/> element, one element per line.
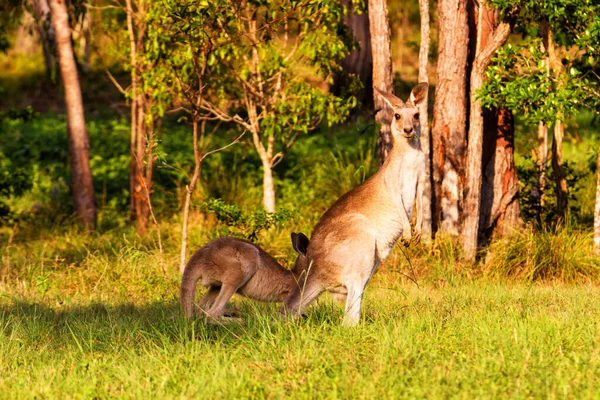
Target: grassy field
<point x="93" y="316"/>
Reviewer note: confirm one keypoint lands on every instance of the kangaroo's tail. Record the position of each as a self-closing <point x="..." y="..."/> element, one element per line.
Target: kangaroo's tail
<point x="187" y="293"/>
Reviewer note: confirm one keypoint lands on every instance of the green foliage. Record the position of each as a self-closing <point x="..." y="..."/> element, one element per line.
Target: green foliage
<point x="248" y="225"/>
<point x="520" y="77"/>
<point x="518" y="80"/>
<point x="244" y="62"/>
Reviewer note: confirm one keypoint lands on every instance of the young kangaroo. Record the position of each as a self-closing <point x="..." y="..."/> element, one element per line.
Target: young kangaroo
<point x="228" y="265"/>
<point x="358" y="232"/>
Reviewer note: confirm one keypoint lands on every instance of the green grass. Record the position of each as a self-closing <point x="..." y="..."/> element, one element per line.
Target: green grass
<point x="85" y="316"/>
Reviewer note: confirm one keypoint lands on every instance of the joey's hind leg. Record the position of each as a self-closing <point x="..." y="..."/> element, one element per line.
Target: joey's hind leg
<point x="209" y="299"/>
<point x="228" y="289"/>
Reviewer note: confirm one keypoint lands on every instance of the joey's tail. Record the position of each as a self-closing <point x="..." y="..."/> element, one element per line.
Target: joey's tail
<point x="187" y="293"/>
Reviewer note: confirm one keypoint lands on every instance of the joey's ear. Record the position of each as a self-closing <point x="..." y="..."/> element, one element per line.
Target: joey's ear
<point x="300" y="243"/>
<point x="389" y="98"/>
<point x="417" y="95"/>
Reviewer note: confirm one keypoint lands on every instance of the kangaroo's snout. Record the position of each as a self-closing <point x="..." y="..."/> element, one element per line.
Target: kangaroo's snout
<point x="409" y="131"/>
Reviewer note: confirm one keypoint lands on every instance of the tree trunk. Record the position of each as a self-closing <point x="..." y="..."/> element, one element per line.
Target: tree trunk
<point x="140" y="168"/>
<point x="268" y="186"/>
<point x="450" y="115"/>
<point x="43" y="23"/>
<point x="81" y="176"/>
<point x="424" y="119"/>
<point x="382" y="71"/>
<point x="188" y="194"/>
<point x="359" y="62"/>
<point x="141" y="187"/>
<point x="562" y="194"/>
<point x="473" y="178"/>
<point x="500" y="209"/>
<point x="597" y="209"/>
<point x="538" y="191"/>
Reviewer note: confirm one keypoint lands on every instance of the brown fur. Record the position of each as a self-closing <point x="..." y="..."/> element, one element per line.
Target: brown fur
<point x="358" y="232"/>
<point x="229" y="265"/>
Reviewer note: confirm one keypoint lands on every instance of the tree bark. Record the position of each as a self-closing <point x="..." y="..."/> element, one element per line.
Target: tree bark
<point x="473" y="177"/>
<point x="500" y="209"/>
<point x="424" y="119"/>
<point x="450" y="115"/>
<point x="597" y="209"/>
<point x="382" y="71"/>
<point x="359" y="62"/>
<point x="81" y="176"/>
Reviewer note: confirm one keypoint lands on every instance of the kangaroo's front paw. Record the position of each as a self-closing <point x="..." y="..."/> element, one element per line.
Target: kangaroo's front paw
<point x="417" y="236"/>
<point x="406" y="237"/>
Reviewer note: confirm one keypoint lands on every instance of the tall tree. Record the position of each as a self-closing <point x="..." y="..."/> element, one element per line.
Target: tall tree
<point x="81" y="176"/>
<point x="382" y="71"/>
<point x="424" y="117"/>
<point x="448" y="133"/>
<point x="142" y="121"/>
<point x="473" y="176"/>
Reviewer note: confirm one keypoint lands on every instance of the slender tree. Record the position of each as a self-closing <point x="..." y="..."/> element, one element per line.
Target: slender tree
<point x="382" y="71"/>
<point x="557" y="69"/>
<point x="81" y="176"/>
<point x="448" y="132"/>
<point x="424" y="117"/>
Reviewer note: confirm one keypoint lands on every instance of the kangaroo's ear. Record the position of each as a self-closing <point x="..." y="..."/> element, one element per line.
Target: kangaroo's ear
<point x="300" y="243"/>
<point x="389" y="98"/>
<point x="417" y="95"/>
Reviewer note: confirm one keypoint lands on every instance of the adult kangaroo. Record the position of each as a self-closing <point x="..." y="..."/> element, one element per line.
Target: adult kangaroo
<point x="358" y="232"/>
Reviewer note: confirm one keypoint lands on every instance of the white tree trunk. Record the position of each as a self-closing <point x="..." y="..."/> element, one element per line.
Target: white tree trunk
<point x="268" y="186"/>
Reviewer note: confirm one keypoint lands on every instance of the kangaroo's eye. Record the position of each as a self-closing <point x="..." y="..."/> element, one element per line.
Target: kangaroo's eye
<point x="397" y="116"/>
<point x="417" y="116"/>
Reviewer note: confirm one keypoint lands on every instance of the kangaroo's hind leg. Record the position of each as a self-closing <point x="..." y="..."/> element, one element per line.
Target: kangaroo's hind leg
<point x="208" y="300"/>
<point x="356" y="284"/>
<point x="228" y="289"/>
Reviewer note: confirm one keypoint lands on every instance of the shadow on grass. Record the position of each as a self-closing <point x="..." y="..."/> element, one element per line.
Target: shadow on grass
<point x="104" y="327"/>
